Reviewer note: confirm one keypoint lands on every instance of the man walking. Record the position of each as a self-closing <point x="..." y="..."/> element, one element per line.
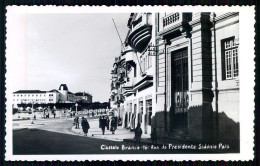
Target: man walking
<point x="103" y="124"/>
<point x="77" y="122"/>
<point x="138" y="134"/>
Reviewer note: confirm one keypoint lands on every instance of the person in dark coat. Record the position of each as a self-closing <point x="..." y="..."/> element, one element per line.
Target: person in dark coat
<point x="107" y="122"/>
<point x="100" y="121"/>
<point x="77" y="122"/>
<point x="103" y="124"/>
<point x="85" y="126"/>
<point x="138" y="134"/>
<point x="113" y="125"/>
<point x="154" y="136"/>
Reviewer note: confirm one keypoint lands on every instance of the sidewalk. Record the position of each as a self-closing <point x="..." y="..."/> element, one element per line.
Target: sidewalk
<point x="27" y="124"/>
<point x="121" y="134"/>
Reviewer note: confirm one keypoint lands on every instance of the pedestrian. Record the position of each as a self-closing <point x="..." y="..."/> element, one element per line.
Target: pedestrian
<point x="34" y="117"/>
<point x="138" y="134"/>
<point x="54" y="114"/>
<point x="85" y="126"/>
<point x="113" y="125"/>
<point x="107" y="122"/>
<point x="77" y="122"/>
<point x="100" y="121"/>
<point x="103" y="124"/>
<point x="154" y="136"/>
<point x="44" y="116"/>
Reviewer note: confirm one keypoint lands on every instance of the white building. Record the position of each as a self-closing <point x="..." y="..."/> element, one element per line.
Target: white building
<point x="63" y="95"/>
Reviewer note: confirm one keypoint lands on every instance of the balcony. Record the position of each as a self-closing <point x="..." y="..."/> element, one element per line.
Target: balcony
<point x="127" y="89"/>
<point x="144" y="82"/>
<point x="128" y="54"/>
<point x="114" y="91"/>
<point x="175" y="21"/>
<point x="141" y="32"/>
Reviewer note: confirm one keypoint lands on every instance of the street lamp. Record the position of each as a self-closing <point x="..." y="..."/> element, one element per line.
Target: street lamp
<point x="76" y="108"/>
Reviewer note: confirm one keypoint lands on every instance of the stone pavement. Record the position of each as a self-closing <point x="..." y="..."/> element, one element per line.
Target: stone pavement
<point x="94" y="131"/>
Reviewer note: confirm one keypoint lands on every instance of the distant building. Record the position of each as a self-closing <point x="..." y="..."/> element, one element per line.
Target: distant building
<point x="63" y="95"/>
<point x="83" y="97"/>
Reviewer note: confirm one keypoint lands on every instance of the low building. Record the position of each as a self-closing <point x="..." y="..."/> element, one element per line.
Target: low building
<point x="62" y="95"/>
<point x="83" y="97"/>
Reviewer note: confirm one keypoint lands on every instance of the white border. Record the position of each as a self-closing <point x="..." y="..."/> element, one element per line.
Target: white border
<point x="246" y="39"/>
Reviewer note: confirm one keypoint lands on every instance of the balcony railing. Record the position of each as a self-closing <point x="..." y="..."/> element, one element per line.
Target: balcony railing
<point x="177" y="18"/>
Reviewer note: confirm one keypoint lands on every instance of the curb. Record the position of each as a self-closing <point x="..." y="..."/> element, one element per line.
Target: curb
<point x="95" y="136"/>
<point x="111" y="139"/>
<point x="142" y="142"/>
<point x="19" y="129"/>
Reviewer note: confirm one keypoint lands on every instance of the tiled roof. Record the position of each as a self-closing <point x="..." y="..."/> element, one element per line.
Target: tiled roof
<point x="54" y="90"/>
<point x="70" y="93"/>
<point x="30" y="91"/>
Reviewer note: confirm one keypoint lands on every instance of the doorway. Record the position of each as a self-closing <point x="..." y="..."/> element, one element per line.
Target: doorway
<point x="180" y="87"/>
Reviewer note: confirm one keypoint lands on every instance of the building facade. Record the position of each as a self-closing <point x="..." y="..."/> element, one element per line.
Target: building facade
<point x="198" y="92"/>
<point x="133" y="75"/>
<point x="62" y="95"/>
<point x="181" y="75"/>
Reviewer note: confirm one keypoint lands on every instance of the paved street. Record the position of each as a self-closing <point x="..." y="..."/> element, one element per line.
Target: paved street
<point x="54" y="136"/>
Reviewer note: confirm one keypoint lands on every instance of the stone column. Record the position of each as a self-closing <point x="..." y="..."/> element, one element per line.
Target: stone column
<point x="200" y="114"/>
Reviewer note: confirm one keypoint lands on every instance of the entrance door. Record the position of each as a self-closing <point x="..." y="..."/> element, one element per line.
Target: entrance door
<point x="180" y="87"/>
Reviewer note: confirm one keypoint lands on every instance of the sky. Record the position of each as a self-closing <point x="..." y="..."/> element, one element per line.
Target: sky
<point x="77" y="49"/>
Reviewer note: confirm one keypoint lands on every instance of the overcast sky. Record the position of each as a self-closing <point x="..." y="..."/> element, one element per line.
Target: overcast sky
<point x="46" y="50"/>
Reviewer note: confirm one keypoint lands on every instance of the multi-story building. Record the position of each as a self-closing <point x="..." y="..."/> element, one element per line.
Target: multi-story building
<point x="182" y="75"/>
<point x="133" y="84"/>
<point x="198" y="91"/>
<point x="63" y="95"/>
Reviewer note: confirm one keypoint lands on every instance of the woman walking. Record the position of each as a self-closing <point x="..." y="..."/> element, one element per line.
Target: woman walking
<point x="113" y="125"/>
<point x="85" y="126"/>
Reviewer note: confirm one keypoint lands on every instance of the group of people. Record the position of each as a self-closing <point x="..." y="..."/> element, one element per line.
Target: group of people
<point x="105" y="123"/>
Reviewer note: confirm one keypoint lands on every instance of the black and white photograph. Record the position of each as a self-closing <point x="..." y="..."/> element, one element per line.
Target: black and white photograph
<point x="95" y="83"/>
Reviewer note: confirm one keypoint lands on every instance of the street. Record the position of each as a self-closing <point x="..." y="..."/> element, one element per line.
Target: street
<point x="56" y="137"/>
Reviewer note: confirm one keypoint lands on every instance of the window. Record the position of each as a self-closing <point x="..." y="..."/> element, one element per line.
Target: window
<point x="229" y="59"/>
<point x="140" y="113"/>
<point x="149" y="111"/>
<point x="14" y="95"/>
<point x="50" y="94"/>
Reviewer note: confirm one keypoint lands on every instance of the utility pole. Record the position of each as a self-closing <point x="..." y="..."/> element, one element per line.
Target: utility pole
<point x="122" y="46"/>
